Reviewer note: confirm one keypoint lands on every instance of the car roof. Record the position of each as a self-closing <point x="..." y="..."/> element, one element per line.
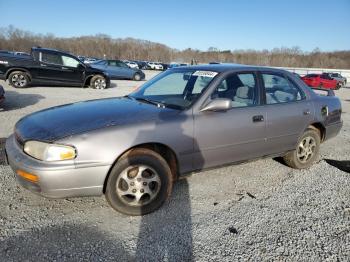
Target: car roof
<point x="227" y="67"/>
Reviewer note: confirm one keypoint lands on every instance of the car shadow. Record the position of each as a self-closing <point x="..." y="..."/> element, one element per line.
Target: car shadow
<point x="63" y="243"/>
<point x="166" y="234"/>
<point x="15" y="100"/>
<point x="113" y="85"/>
<point x="280" y="160"/>
<point x="343" y="165"/>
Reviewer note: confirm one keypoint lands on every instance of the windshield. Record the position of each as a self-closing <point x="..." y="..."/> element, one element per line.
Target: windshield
<point x="177" y="89"/>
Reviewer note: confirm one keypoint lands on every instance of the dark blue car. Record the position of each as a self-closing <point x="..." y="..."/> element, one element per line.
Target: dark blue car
<point x="117" y="69"/>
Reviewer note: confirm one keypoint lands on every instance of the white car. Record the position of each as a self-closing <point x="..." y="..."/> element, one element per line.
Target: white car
<point x="155" y="66"/>
<point x="132" y="64"/>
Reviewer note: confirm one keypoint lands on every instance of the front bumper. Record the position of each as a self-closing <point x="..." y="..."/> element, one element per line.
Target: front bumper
<point x="56" y="180"/>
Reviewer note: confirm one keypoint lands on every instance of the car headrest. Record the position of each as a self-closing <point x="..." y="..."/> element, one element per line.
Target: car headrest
<point x="243" y="92"/>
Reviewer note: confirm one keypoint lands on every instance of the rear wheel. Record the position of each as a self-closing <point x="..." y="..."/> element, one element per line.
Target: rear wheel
<point x="139" y="183"/>
<point x="18" y="79"/>
<point x="98" y="82"/>
<point x="306" y="151"/>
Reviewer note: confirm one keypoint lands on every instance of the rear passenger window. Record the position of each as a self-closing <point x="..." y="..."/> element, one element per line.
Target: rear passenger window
<point x="280" y="90"/>
<point x="51" y="58"/>
<point x="240" y="88"/>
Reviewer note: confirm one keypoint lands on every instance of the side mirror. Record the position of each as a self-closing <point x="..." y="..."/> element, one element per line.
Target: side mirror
<point x="218" y="104"/>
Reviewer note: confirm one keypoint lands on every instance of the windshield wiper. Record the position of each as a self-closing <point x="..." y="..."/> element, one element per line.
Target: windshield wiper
<point x="158" y="104"/>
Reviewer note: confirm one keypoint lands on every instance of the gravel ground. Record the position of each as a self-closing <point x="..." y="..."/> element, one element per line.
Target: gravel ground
<point x="261" y="210"/>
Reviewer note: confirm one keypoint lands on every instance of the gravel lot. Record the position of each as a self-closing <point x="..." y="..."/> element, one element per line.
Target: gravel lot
<point x="260" y="210"/>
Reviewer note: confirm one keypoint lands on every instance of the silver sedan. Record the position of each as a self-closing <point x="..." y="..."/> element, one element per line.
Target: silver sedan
<point x="132" y="148"/>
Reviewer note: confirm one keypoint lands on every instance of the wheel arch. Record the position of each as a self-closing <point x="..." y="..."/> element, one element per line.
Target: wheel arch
<point x="165" y="151"/>
<point x="320" y="128"/>
<point x="12" y="69"/>
<point x="88" y="79"/>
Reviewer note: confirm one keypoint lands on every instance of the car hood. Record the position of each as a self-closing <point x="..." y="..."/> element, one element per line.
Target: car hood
<point x="58" y="122"/>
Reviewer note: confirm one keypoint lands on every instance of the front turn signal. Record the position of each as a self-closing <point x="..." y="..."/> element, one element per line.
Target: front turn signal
<point x="28" y="176"/>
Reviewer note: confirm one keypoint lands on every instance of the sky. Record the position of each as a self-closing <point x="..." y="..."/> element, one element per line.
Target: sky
<point x="197" y="24"/>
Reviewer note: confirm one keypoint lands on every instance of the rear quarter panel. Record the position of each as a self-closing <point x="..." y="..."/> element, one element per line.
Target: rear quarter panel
<point x="331" y="120"/>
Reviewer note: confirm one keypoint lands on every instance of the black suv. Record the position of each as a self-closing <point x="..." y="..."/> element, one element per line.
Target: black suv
<point x="50" y="66"/>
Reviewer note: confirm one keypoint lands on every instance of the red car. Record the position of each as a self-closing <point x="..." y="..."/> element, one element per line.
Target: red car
<point x="320" y="80"/>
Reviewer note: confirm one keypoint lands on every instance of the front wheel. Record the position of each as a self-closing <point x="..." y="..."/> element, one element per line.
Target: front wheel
<point x="306" y="151"/>
<point x="18" y="79"/>
<point x="139" y="183"/>
<point x="98" y="82"/>
<point x="137" y="77"/>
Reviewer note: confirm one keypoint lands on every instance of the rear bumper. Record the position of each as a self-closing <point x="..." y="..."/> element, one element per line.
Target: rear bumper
<point x="56" y="180"/>
<point x="333" y="130"/>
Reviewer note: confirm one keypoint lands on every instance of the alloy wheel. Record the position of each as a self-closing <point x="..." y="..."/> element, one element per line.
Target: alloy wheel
<point x="306" y="149"/>
<point x="100" y="83"/>
<point x="138" y="185"/>
<point x="18" y="80"/>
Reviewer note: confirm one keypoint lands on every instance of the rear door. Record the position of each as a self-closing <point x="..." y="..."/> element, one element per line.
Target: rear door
<point x="233" y="135"/>
<point x="288" y="111"/>
<point x="49" y="66"/>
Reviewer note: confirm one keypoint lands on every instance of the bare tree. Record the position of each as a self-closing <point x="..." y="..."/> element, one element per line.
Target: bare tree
<point x="102" y="45"/>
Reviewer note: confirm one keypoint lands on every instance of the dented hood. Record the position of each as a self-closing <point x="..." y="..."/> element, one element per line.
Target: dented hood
<point x="58" y="122"/>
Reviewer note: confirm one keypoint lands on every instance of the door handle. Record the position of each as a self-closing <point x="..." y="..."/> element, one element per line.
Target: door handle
<point x="64" y="68"/>
<point x="306" y="112"/>
<point x="258" y="118"/>
<point x="43" y="65"/>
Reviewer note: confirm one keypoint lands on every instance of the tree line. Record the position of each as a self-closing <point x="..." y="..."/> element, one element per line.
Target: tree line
<point x="102" y="45"/>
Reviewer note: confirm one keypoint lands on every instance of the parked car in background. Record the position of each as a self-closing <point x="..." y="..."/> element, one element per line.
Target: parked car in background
<point x="2" y="94"/>
<point x="143" y="65"/>
<point x="186" y="119"/>
<point x="117" y="69"/>
<point x="321" y="81"/>
<point x="132" y="64"/>
<point x="21" y="53"/>
<point x="339" y="78"/>
<point x="50" y="66"/>
<point x="14" y="53"/>
<point x="89" y="60"/>
<point x="165" y="66"/>
<point x="155" y="66"/>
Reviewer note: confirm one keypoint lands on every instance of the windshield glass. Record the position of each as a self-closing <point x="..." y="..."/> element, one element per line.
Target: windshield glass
<point x="177" y="89"/>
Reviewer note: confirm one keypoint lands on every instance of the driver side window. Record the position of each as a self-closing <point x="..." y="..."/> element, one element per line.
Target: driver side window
<point x="280" y="90"/>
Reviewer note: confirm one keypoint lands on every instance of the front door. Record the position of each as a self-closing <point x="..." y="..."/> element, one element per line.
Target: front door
<point x="72" y="70"/>
<point x="236" y="134"/>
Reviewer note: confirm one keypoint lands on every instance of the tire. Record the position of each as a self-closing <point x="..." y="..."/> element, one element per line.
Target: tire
<point x="338" y="86"/>
<point x="136" y="173"/>
<point x="299" y="158"/>
<point x="18" y="79"/>
<point x="137" y="77"/>
<point x="98" y="82"/>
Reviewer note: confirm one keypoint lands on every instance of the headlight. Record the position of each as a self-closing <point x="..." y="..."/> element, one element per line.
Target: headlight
<point x="49" y="152"/>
